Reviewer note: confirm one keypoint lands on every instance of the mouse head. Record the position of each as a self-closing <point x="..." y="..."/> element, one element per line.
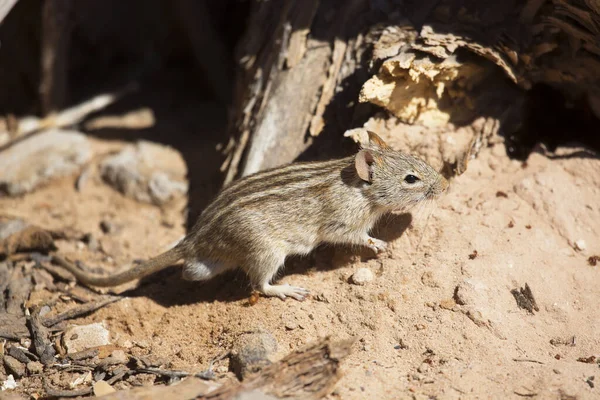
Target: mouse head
<point x="394" y="180"/>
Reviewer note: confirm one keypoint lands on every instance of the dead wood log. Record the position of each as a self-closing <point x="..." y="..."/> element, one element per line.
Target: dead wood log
<point x="55" y="38"/>
<point x="5" y="7"/>
<point x="446" y="66"/>
<point x="291" y="61"/>
<point x="309" y="373"/>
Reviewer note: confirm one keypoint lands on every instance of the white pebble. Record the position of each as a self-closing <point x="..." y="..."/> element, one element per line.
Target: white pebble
<point x="362" y="276"/>
<point x="9" y="383"/>
<point x="580" y="245"/>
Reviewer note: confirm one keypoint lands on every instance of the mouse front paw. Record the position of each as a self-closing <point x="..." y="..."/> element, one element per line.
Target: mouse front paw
<point x="376" y="244"/>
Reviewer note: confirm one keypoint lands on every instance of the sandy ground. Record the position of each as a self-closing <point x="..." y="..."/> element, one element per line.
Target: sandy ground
<point x="438" y="320"/>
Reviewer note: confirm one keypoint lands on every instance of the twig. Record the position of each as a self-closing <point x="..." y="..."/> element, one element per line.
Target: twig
<point x="206" y="375"/>
<point x="527" y="360"/>
<point x="30" y="125"/>
<point x="41" y="341"/>
<point x="525" y="394"/>
<point x="52" y="392"/>
<point x="80" y="310"/>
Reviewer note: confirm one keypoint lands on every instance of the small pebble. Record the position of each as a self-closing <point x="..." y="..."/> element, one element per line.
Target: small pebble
<point x="580" y="245"/>
<point x="102" y="387"/>
<point x="15" y="366"/>
<point x="251" y="352"/>
<point x="107" y="226"/>
<point x="362" y="276"/>
<point x="423" y="368"/>
<point x="35" y="367"/>
<point x="9" y="383"/>
<point x="78" y="338"/>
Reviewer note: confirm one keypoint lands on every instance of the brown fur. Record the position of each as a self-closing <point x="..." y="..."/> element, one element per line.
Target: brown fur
<point x="256" y="222"/>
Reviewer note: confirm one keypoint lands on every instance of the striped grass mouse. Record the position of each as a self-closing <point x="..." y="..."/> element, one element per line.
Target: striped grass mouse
<point x="256" y="222"/>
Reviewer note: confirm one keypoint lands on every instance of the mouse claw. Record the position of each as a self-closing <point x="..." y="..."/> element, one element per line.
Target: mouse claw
<point x="376" y="245"/>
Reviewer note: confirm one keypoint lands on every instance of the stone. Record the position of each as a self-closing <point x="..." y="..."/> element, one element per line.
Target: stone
<point x="146" y="172"/>
<point x="580" y="245"/>
<point x="41" y="158"/>
<point x="9" y="227"/>
<point x="15" y="366"/>
<point x="251" y="352"/>
<point x="82" y="337"/>
<point x="102" y="387"/>
<point x="362" y="276"/>
<point x="9" y="384"/>
<point x="253" y="394"/>
<point x="35" y="367"/>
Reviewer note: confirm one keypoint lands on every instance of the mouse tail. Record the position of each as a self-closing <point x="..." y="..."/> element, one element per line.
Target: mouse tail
<point x="141" y="270"/>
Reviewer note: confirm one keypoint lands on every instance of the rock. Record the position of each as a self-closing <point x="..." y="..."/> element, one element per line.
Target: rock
<point x="11" y="226"/>
<point x="362" y="276"/>
<point x="253" y="394"/>
<point x="146" y="172"/>
<point x="119" y="357"/>
<point x="41" y="158"/>
<point x="102" y="387"/>
<point x="428" y="279"/>
<point x="15" y="366"/>
<point x="19" y="354"/>
<point x="35" y="367"/>
<point x="252" y="352"/>
<point x="9" y="383"/>
<point x="107" y="227"/>
<point x="79" y="338"/>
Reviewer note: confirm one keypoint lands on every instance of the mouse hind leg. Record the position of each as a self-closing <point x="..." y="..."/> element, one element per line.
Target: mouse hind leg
<point x="202" y="270"/>
<point x="261" y="271"/>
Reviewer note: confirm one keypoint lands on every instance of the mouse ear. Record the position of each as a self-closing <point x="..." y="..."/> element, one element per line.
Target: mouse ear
<point x="363" y="163"/>
<point x="375" y="142"/>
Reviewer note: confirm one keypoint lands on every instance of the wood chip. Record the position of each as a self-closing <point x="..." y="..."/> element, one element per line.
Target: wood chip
<point x="525" y="299"/>
<point x="41" y="339"/>
<point x="80" y="310"/>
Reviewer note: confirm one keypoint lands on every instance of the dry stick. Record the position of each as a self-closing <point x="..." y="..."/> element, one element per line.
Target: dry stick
<point x="527" y="360"/>
<point x="5" y="7"/>
<point x="68" y="117"/>
<point x="41" y="341"/>
<point x="309" y="373"/>
<point x="52" y="392"/>
<point x="80" y="310"/>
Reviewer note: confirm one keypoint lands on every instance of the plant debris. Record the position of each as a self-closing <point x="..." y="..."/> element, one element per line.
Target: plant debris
<point x="587" y="360"/>
<point x="593" y="260"/>
<point x="525" y="299"/>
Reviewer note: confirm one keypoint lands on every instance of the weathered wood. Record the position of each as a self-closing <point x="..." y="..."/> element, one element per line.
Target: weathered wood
<point x="18" y="290"/>
<point x="80" y="310"/>
<point x="444" y="69"/>
<point x="13" y="327"/>
<point x="207" y="46"/>
<point x="5" y="7"/>
<point x="287" y="78"/>
<point x="41" y="338"/>
<point x="56" y="34"/>
<point x="308" y="373"/>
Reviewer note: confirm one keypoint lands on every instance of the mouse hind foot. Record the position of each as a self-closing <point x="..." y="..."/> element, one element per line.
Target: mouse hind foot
<point x="283" y="291"/>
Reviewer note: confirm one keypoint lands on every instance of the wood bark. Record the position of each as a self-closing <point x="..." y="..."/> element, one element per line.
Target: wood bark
<point x="55" y="38"/>
<point x="440" y="64"/>
<point x="308" y="373"/>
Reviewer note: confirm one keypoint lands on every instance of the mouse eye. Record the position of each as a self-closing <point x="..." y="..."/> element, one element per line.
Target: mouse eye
<point x="410" y="179"/>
